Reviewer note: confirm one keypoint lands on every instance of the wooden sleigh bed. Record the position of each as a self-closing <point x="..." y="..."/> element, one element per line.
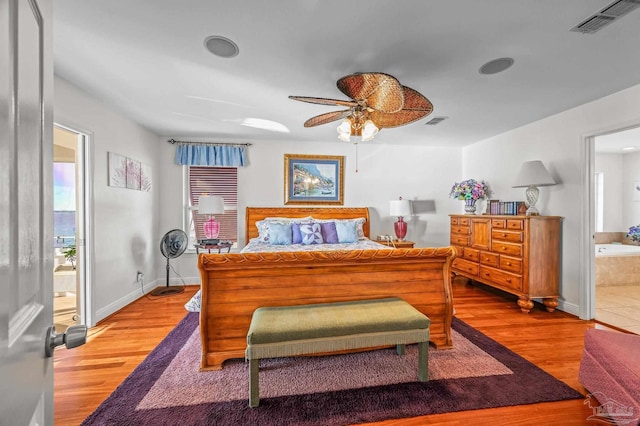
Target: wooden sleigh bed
<point x="235" y="284"/>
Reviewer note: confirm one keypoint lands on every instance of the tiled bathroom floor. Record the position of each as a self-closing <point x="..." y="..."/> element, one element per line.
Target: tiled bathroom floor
<point x="619" y="306"/>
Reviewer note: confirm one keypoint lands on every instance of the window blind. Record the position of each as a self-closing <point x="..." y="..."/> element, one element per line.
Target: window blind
<point x="220" y="181"/>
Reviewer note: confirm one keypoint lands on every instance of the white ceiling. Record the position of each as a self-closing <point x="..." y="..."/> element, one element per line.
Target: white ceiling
<point x="146" y="58"/>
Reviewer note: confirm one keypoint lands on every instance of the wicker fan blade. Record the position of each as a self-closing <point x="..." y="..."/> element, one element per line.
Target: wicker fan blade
<point x="381" y="92"/>
<point x="323" y="101"/>
<point x="327" y="118"/>
<point x="415" y="107"/>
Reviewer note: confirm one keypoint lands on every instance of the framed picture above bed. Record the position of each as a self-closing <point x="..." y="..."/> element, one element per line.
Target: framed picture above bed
<point x="313" y="179"/>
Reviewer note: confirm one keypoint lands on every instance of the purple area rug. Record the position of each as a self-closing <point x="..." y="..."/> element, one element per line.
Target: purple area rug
<point x="167" y="389"/>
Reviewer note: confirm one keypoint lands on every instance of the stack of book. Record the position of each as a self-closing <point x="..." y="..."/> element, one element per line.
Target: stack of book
<point x="504" y="207"/>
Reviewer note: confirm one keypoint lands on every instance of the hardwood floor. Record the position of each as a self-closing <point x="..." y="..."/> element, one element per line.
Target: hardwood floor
<point x="85" y="376"/>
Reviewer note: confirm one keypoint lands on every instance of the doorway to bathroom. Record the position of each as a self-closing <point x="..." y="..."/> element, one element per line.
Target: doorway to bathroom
<point x="616" y="195"/>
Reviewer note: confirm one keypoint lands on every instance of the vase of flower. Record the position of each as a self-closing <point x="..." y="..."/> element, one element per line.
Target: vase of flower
<point x="634" y="235"/>
<point x="470" y="206"/>
<point x="469" y="191"/>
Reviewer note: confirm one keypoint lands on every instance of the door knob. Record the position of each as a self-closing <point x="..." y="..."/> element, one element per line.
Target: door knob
<point x="74" y="336"/>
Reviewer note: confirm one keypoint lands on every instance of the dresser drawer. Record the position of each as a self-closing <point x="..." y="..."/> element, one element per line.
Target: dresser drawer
<point x="506" y="248"/>
<point x="471" y="254"/>
<point x="465" y="266"/>
<point x="498" y="223"/>
<point x="454" y="221"/>
<point x="515" y="224"/>
<point x="464" y="221"/>
<point x="464" y="230"/>
<point x="459" y="240"/>
<point x="511" y="281"/>
<point x="510" y="236"/>
<point x="512" y="264"/>
<point x="490" y="259"/>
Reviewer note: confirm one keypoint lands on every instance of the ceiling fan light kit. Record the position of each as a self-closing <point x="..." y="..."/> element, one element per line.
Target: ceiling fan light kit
<point x="378" y="101"/>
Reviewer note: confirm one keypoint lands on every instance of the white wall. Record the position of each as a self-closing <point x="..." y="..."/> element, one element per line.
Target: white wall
<point x="612" y="168"/>
<point x="384" y="173"/>
<point x="558" y="141"/>
<point x="125" y="220"/>
<point x="630" y="180"/>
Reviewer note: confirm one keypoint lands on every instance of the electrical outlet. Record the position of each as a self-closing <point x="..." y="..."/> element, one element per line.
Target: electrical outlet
<point x="139" y="277"/>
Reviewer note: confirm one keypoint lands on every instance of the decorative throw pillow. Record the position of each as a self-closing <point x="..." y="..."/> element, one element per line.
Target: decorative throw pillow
<point x="329" y="234"/>
<point x="296" y="237"/>
<point x="347" y="231"/>
<point x="279" y="233"/>
<point x="311" y="233"/>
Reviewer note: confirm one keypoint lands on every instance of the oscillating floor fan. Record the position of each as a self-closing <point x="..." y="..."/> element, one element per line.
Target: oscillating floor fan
<point x="172" y="245"/>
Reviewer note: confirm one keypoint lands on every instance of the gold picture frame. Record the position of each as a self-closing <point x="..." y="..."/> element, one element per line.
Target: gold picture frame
<point x="313" y="179"/>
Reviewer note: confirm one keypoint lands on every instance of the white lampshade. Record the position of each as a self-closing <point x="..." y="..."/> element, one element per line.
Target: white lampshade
<point x="533" y="173"/>
<point x="400" y="208"/>
<point x="344" y="130"/>
<point x="210" y="204"/>
<point x="369" y="131"/>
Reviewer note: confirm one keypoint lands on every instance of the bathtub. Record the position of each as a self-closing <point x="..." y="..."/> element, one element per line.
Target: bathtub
<point x="617" y="264"/>
<point x="617" y="250"/>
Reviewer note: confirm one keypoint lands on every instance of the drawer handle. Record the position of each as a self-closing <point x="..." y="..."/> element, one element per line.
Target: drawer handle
<point x="504" y="235"/>
<point x="508" y="263"/>
<point x="508" y="280"/>
<point x="504" y="248"/>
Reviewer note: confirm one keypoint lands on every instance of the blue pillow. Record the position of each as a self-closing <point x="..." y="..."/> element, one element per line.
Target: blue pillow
<point x="311" y="233"/>
<point x="296" y="237"/>
<point x="347" y="231"/>
<point x="279" y="233"/>
<point x="329" y="234"/>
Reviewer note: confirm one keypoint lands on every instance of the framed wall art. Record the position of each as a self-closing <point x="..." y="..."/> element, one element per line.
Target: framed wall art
<point x="125" y="172"/>
<point x="313" y="179"/>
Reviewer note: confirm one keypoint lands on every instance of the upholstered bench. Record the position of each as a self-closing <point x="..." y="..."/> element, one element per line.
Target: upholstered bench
<point x="307" y="329"/>
<point x="610" y="371"/>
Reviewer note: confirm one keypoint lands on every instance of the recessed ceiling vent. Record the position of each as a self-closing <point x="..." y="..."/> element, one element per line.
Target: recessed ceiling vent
<point x="606" y="16"/>
<point x="435" y="120"/>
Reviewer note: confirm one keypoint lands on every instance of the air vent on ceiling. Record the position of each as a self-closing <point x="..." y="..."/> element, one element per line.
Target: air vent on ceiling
<point x="435" y="120"/>
<point x="606" y="16"/>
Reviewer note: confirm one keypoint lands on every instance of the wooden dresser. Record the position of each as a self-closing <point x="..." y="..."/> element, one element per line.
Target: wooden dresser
<point x="516" y="254"/>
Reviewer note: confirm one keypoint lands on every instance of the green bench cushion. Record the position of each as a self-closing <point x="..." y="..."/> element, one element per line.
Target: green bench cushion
<point x="305" y="322"/>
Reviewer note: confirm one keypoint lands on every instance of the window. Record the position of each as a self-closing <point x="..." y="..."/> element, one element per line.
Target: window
<point x="220" y="181"/>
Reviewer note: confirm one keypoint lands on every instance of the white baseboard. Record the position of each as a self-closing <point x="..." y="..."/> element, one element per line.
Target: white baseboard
<point x="134" y="295"/>
<point x="116" y="305"/>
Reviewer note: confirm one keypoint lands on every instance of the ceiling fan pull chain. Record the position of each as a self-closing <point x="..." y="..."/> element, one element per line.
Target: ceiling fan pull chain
<point x="356" y="144"/>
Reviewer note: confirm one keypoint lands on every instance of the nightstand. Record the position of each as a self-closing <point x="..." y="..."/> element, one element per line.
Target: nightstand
<point x="209" y="247"/>
<point x="397" y="243"/>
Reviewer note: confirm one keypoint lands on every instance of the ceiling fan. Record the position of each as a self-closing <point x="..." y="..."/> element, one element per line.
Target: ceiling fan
<point x="378" y="101"/>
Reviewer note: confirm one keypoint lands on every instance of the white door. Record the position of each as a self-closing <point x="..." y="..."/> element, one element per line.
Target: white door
<point x="26" y="227"/>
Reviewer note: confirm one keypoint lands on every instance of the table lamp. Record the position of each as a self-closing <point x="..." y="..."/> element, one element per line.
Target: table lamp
<point x="211" y="205"/>
<point x="400" y="208"/>
<point x="533" y="174"/>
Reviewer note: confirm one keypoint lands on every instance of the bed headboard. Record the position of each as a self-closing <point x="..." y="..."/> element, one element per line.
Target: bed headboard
<point x="255" y="214"/>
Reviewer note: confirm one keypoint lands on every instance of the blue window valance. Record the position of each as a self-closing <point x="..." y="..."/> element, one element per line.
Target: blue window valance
<point x="210" y="154"/>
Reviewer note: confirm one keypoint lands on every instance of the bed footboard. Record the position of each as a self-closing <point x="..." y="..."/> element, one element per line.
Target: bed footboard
<point x="234" y="285"/>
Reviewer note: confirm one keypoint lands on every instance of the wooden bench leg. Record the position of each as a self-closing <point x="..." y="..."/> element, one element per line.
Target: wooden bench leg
<point x="254" y="391"/>
<point x="423" y="361"/>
